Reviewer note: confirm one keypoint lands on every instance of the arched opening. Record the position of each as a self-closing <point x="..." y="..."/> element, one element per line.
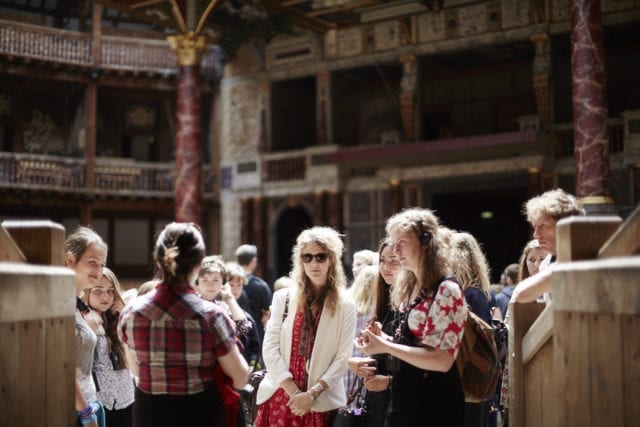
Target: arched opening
<point x="289" y="224"/>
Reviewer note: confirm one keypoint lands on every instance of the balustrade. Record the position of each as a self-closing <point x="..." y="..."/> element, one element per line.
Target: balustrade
<point x="112" y="176"/>
<point x="70" y="47"/>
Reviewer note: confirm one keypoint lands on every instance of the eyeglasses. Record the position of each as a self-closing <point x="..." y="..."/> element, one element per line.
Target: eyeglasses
<point x="100" y="292"/>
<point x="321" y="257"/>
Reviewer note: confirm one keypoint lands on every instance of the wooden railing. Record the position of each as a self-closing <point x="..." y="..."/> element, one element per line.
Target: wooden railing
<point x="112" y="176"/>
<point x="35" y="42"/>
<point x="574" y="363"/>
<point x="615" y="132"/>
<point x="37" y="309"/>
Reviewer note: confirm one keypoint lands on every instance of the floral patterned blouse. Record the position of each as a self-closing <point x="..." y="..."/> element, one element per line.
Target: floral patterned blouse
<point x="440" y="324"/>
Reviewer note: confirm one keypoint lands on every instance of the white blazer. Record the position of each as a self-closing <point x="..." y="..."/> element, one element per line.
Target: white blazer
<point x="331" y="350"/>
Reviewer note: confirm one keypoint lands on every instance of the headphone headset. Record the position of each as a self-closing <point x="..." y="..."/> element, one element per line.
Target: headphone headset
<point x="423" y="236"/>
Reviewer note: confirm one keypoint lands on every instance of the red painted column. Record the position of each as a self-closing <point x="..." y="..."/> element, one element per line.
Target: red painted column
<point x="590" y="112"/>
<point x="188" y="192"/>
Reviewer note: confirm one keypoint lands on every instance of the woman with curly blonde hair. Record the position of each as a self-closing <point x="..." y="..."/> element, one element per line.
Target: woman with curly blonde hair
<point x="429" y="323"/>
<point x="309" y="337"/>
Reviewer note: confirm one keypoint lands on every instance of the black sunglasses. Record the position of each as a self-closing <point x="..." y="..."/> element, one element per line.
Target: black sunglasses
<point x="321" y="257"/>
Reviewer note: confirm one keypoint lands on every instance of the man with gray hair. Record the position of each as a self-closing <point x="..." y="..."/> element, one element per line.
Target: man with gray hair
<point x="543" y="212"/>
<point x="257" y="290"/>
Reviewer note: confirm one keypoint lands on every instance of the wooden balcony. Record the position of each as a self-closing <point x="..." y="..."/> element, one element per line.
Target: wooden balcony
<point x="32" y="43"/>
<point x="113" y="177"/>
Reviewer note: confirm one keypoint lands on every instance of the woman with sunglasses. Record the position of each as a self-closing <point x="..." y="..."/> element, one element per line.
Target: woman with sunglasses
<point x="428" y="327"/>
<point x="309" y="337"/>
<point x="111" y="372"/>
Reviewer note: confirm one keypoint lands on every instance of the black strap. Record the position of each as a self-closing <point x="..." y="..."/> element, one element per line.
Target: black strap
<point x="286" y="308"/>
<point x="355" y="391"/>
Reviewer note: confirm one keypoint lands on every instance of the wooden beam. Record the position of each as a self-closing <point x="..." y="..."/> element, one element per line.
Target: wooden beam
<point x="626" y="240"/>
<point x="539" y="333"/>
<point x="342" y="8"/>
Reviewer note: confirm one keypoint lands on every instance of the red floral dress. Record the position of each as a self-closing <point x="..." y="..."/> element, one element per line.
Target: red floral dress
<point x="275" y="412"/>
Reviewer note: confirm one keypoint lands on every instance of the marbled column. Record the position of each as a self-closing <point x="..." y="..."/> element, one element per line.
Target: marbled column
<point x="188" y="192"/>
<point x="258" y="234"/>
<point x="408" y="85"/>
<point x="589" y="103"/>
<point x="542" y="77"/>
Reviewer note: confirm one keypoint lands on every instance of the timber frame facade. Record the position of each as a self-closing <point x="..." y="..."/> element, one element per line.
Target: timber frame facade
<point x="465" y="109"/>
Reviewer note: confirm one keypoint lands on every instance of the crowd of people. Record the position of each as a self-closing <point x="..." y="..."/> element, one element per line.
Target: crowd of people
<point x="180" y="348"/>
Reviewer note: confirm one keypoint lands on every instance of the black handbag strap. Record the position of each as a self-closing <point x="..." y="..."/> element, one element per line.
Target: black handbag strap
<point x="355" y="391"/>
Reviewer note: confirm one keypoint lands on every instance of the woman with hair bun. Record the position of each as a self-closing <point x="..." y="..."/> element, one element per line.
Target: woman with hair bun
<point x="179" y="339"/>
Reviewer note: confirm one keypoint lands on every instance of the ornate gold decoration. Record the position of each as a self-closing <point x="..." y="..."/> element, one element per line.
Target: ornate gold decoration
<point x="596" y="200"/>
<point x="189" y="48"/>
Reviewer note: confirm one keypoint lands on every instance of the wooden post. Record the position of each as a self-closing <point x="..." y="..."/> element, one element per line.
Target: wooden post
<point x="596" y="320"/>
<point x="521" y="317"/>
<point x="580" y="237"/>
<point x="40" y="241"/>
<point x="37" y="368"/>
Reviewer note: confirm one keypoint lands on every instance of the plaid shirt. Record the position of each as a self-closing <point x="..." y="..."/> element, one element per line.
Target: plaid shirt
<point x="176" y="337"/>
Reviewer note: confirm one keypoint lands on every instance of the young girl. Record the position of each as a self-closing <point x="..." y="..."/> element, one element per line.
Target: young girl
<point x="113" y="378"/>
<point x="86" y="254"/>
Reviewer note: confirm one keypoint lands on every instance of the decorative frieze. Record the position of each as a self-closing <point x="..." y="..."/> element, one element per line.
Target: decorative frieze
<point x="472" y="19"/>
<point x="387" y="35"/>
<point x="290" y="51"/>
<point x="349" y="42"/>
<point x="515" y="13"/>
<point x="431" y="26"/>
<point x="615" y="5"/>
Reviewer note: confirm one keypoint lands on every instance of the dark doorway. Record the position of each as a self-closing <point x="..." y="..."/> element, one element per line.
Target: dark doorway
<point x="494" y="218"/>
<point x="290" y="223"/>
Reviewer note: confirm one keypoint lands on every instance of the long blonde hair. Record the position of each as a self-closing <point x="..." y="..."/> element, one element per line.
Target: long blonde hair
<point x="363" y="291"/>
<point x="468" y="263"/>
<point x="110" y="317"/>
<point x="331" y="242"/>
<point x="424" y="225"/>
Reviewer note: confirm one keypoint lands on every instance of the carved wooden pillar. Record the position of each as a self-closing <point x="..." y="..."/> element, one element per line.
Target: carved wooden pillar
<point x="245" y="220"/>
<point x="395" y="196"/>
<point x="263" y="111"/>
<point x="408" y="88"/>
<point x="324" y="133"/>
<point x="91" y="107"/>
<point x="542" y="78"/>
<point x="534" y="175"/>
<point x="319" y="208"/>
<point x="590" y="106"/>
<point x="188" y="192"/>
<point x="334" y="210"/>
<point x="258" y="233"/>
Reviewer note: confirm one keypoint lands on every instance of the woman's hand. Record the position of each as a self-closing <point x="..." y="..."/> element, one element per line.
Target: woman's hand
<point x="377" y="382"/>
<point x="225" y="293"/>
<point x="300" y="403"/>
<point x="360" y="366"/>
<point x="370" y="343"/>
